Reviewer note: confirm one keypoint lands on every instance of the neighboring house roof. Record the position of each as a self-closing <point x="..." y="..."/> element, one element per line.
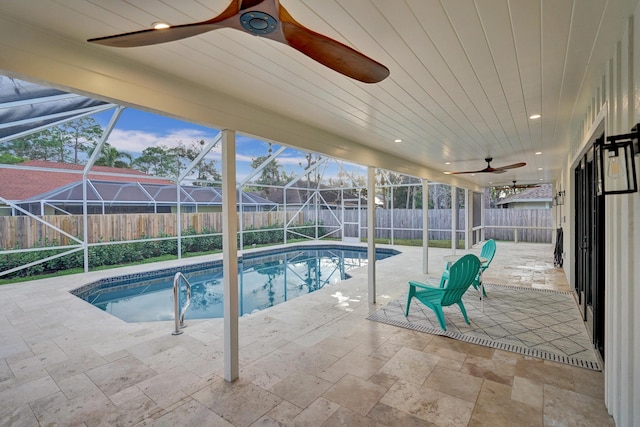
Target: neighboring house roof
<point x="135" y="193"/>
<point x="21" y="184"/>
<point x="298" y="195"/>
<point x="542" y="193"/>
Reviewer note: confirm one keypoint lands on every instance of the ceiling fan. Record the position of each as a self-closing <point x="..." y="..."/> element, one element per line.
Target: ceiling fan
<point x="264" y="18"/>
<point x="489" y="169"/>
<point x="522" y="186"/>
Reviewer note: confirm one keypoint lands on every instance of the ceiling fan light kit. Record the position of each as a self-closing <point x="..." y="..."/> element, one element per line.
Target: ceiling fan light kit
<point x="264" y="18"/>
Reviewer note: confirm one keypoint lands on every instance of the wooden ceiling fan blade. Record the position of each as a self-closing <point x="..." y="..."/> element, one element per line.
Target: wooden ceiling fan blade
<point x="462" y="173"/>
<point x="153" y="36"/>
<point x="331" y="53"/>
<point x="507" y="167"/>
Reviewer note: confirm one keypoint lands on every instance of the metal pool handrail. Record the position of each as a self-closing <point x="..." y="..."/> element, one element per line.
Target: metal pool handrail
<point x="179" y="319"/>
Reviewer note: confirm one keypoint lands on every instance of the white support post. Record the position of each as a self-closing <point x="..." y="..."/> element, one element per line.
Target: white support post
<point x="468" y="210"/>
<point x="179" y="218"/>
<point x="230" y="251"/>
<point x="85" y="173"/>
<point x="454" y="218"/>
<point x="425" y="226"/>
<point x="371" y="232"/>
<point x="482" y="217"/>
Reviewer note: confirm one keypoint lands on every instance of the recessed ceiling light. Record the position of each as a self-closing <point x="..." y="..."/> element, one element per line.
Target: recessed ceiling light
<point x="447" y="163"/>
<point x="397" y="140"/>
<point x="535" y="116"/>
<point x="537" y="153"/>
<point x="160" y="25"/>
<point x="539" y="169"/>
<point x="541" y="179"/>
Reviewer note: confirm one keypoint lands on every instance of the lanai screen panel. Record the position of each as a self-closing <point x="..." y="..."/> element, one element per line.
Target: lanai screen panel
<point x="25" y="106"/>
<point x="121" y="192"/>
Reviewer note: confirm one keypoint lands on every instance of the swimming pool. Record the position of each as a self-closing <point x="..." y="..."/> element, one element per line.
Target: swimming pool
<point x="265" y="278"/>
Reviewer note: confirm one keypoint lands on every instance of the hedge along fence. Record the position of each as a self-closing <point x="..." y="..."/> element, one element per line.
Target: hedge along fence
<point x="26" y="232"/>
<point x="123" y="252"/>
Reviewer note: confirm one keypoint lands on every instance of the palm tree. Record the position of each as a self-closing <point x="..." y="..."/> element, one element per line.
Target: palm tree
<point x="112" y="157"/>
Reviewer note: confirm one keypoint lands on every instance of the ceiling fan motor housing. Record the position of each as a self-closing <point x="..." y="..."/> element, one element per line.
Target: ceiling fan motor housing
<point x="258" y="23"/>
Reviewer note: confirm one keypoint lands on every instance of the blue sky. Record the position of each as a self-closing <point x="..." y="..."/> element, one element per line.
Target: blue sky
<point x="136" y="130"/>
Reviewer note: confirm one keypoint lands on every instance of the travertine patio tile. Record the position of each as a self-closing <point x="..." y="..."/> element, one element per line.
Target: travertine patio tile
<point x="76" y="365"/>
<point x="191" y="413"/>
<point x="355" y="394"/>
<point x="428" y="404"/>
<point x="26" y="393"/>
<point x="316" y="413"/>
<point x="301" y="388"/>
<point x="489" y="369"/>
<point x="384" y="415"/>
<point x="347" y="418"/>
<point x="336" y="346"/>
<point x="21" y="416"/>
<point x="229" y="400"/>
<point x="496" y="408"/>
<point x="527" y="391"/>
<point x="353" y="363"/>
<point x="456" y="384"/>
<point x="563" y="407"/>
<point x="411" y="365"/>
<point x="167" y="387"/>
<point x="120" y="374"/>
<point x="284" y="413"/>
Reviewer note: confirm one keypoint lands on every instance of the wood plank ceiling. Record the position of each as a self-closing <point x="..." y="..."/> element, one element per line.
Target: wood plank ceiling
<point x="465" y="74"/>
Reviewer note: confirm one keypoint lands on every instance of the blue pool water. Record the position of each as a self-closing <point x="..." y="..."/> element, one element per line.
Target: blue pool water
<point x="265" y="279"/>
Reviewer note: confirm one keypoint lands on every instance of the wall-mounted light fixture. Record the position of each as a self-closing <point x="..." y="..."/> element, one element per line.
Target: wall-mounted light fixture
<point x="558" y="199"/>
<point x="615" y="165"/>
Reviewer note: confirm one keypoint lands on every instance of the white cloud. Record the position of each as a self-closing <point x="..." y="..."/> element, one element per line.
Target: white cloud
<point x="135" y="141"/>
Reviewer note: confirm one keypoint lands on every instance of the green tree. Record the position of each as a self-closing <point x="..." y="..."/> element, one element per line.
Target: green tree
<point x="112" y="157"/>
<point x="80" y="135"/>
<point x="271" y="174"/>
<point x="10" y="159"/>
<point x="157" y="161"/>
<point x="57" y="143"/>
<point x="44" y="145"/>
<point x="205" y="170"/>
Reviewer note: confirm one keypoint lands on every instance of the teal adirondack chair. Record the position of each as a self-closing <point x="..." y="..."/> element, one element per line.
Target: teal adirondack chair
<point x="488" y="251"/>
<point x="461" y="275"/>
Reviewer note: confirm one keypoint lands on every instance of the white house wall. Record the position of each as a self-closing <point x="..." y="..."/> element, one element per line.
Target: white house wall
<point x="616" y="102"/>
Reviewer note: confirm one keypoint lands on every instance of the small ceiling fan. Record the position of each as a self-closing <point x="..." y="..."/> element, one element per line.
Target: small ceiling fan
<point x="522" y="186"/>
<point x="489" y="169"/>
<point x="264" y="18"/>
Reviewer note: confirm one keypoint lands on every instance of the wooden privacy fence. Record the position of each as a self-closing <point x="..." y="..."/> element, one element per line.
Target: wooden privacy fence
<point x="532" y="225"/>
<point x="25" y="232"/>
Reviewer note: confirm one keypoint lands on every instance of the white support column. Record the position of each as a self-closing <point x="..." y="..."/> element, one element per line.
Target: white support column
<point x="85" y="173"/>
<point x="468" y="211"/>
<point x="230" y="251"/>
<point x="482" y="217"/>
<point x="371" y="232"/>
<point x="425" y="226"/>
<point x="454" y="218"/>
